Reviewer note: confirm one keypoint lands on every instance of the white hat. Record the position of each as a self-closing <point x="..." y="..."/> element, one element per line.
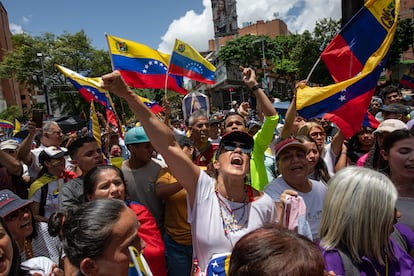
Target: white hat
<point x="390" y="125"/>
<point x="9" y="145"/>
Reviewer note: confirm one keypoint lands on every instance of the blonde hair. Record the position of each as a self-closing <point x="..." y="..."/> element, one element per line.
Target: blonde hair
<point x="306" y="128"/>
<point x="359" y="213"/>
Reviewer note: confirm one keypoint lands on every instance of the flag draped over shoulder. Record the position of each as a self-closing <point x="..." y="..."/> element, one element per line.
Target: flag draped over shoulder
<point x="346" y="102"/>
<point x="186" y="61"/>
<point x="94" y="127"/>
<point x="6" y="124"/>
<point x="91" y="91"/>
<point x="142" y="66"/>
<point x="17" y="126"/>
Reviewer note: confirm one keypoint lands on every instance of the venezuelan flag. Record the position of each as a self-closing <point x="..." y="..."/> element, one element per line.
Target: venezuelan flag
<point x="407" y="81"/>
<point x="370" y="121"/>
<point x="6" y="124"/>
<point x="346" y="103"/>
<point x="155" y="107"/>
<point x="186" y="61"/>
<point x="94" y="127"/>
<point x="142" y="66"/>
<point x="219" y="265"/>
<point x="360" y="38"/>
<point x="90" y="90"/>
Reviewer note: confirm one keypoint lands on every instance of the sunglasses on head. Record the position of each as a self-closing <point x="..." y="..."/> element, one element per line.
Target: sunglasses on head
<point x="16" y="214"/>
<point x="231" y="146"/>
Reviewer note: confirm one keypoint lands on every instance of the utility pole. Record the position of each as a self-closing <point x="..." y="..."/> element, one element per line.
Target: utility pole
<point x="264" y="65"/>
<point x="45" y="91"/>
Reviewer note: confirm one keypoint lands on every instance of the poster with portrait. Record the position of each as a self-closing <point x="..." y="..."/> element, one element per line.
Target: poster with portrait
<point x="224" y="17"/>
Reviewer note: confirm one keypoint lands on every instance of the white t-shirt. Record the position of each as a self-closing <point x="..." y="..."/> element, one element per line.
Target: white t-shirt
<point x="313" y="200"/>
<point x="207" y="224"/>
<point x="52" y="197"/>
<point x="330" y="159"/>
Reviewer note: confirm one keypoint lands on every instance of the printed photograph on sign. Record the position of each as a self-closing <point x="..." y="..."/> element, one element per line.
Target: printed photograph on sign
<point x="224" y="17"/>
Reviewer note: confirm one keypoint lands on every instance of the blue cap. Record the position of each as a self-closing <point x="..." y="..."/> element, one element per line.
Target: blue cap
<point x="136" y="135"/>
<point x="10" y="202"/>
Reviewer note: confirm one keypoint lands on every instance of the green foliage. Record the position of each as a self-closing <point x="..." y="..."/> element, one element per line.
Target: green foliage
<point x="242" y="51"/>
<point x="73" y="51"/>
<point x="403" y="39"/>
<point x="10" y="113"/>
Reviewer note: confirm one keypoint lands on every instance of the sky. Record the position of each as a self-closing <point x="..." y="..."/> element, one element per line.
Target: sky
<point x="156" y="23"/>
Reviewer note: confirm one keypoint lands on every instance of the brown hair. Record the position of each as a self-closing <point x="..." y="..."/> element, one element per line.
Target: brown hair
<point x="274" y="250"/>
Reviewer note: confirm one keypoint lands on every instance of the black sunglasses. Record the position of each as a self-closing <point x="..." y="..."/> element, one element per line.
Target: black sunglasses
<point x="231" y="146"/>
<point x="14" y="215"/>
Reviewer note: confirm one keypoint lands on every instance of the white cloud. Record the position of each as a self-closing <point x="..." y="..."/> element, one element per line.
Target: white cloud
<point x="16" y="29"/>
<point x="26" y="19"/>
<point x="299" y="15"/>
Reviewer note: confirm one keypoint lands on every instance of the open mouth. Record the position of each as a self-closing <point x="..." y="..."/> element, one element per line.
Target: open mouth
<point x="26" y="224"/>
<point x="296" y="168"/>
<point x="236" y="160"/>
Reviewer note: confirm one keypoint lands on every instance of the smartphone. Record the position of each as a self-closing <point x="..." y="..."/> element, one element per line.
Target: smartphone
<point x="37" y="117"/>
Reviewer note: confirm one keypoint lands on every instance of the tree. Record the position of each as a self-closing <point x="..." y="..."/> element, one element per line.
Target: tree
<point x="72" y="51"/>
<point x="242" y="51"/>
<point x="10" y="113"/>
<point x="404" y="38"/>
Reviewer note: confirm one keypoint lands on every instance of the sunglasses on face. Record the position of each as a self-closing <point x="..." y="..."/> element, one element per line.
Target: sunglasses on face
<point x="13" y="216"/>
<point x="244" y="148"/>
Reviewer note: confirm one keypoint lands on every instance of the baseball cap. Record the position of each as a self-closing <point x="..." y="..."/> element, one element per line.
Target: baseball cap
<point x="51" y="153"/>
<point x="237" y="136"/>
<point x="289" y="142"/>
<point x="216" y="118"/>
<point x="136" y="135"/>
<point x="9" y="145"/>
<point x="10" y="202"/>
<point x="183" y="140"/>
<point x="390" y="125"/>
<point x="396" y="108"/>
<point x="252" y="123"/>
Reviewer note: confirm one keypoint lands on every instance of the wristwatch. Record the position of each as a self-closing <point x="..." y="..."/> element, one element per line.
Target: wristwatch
<point x="255" y="87"/>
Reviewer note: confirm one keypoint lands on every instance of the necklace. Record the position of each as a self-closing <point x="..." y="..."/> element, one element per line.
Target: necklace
<point x="28" y="250"/>
<point x="231" y="221"/>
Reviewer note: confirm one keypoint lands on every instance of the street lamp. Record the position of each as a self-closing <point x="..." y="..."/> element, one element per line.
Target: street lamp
<point x="48" y="109"/>
<point x="264" y="65"/>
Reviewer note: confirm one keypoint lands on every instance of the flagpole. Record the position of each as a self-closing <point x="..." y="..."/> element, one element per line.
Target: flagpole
<point x="110" y="53"/>
<point x="166" y="83"/>
<point x="166" y="76"/>
<point x="313" y="69"/>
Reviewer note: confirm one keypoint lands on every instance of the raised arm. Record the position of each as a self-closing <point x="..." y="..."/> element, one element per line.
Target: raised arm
<point x="24" y="153"/>
<point x="11" y="163"/>
<point x="160" y="135"/>
<point x="262" y="100"/>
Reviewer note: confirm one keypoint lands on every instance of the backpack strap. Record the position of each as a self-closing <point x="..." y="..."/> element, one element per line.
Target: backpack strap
<point x="43" y="195"/>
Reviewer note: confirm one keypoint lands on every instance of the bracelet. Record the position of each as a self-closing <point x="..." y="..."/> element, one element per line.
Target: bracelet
<point x="255" y="87"/>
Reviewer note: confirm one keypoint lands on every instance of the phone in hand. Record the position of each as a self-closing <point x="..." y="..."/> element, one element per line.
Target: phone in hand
<point x="37" y="117"/>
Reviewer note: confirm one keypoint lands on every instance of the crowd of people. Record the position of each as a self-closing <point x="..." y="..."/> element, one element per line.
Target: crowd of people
<point x="227" y="194"/>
